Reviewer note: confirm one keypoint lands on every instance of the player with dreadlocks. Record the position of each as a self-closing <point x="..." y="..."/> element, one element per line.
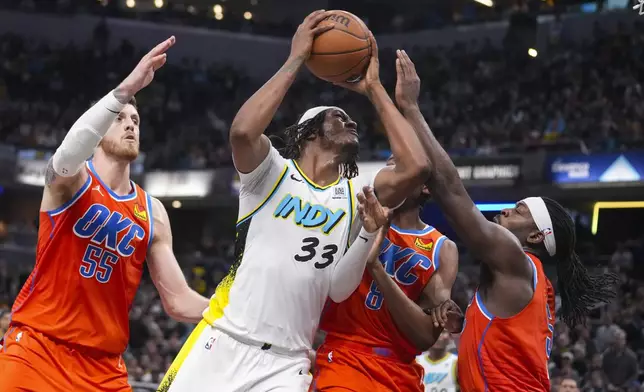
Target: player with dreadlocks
<point x="373" y="338"/>
<point x="509" y="325"/>
<point x="303" y="232"/>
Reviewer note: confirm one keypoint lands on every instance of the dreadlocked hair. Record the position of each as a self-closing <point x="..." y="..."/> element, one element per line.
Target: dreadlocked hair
<point x="580" y="291"/>
<point x="291" y="142"/>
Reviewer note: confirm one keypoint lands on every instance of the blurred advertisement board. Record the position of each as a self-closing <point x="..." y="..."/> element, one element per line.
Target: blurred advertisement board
<point x="625" y="167"/>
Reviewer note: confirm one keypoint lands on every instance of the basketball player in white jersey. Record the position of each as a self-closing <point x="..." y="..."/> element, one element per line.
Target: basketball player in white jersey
<point x="297" y="218"/>
<point x="440" y="366"/>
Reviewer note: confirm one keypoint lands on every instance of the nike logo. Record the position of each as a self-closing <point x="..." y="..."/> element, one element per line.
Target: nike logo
<point x="365" y="240"/>
<point x="295" y="178"/>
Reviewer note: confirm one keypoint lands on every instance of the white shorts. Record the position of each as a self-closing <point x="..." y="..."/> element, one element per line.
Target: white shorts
<point x="211" y="360"/>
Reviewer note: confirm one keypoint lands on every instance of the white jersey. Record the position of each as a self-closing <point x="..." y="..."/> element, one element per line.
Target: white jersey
<point x="440" y="376"/>
<point x="290" y="235"/>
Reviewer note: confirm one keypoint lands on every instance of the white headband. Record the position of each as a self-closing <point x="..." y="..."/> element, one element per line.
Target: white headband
<point x="541" y="217"/>
<point x="309" y="114"/>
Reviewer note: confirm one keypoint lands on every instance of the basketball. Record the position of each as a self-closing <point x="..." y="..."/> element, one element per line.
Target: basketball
<point x="342" y="53"/>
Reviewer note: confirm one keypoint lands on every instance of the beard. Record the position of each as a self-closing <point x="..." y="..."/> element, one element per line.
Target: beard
<point x="122" y="151"/>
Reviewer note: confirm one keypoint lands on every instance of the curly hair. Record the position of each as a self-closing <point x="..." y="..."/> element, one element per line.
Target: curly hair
<point x="292" y="140"/>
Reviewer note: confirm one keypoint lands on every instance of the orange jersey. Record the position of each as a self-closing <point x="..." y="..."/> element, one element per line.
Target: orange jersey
<point x="89" y="262"/>
<point x="410" y="257"/>
<point x="509" y="354"/>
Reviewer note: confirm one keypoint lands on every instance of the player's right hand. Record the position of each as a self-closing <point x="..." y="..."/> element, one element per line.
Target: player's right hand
<point x="407" y="81"/>
<point x="306" y="32"/>
<point x="143" y="73"/>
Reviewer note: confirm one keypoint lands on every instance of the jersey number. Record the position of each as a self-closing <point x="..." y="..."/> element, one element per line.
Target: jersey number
<point x="309" y="250"/>
<point x="98" y="263"/>
<point x="551" y="331"/>
<point x="374" y="298"/>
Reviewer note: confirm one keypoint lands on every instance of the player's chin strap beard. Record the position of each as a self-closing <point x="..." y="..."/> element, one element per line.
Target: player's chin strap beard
<point x="541" y="217"/>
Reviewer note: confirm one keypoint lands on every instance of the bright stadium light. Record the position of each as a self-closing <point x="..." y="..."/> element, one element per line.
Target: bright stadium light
<point x="219" y="16"/>
<point x="490" y="207"/>
<point x="487" y="3"/>
<point x="176" y="204"/>
<point x="532" y="52"/>
<point x="130" y="3"/>
<point x="158" y="3"/>
<point x="611" y="205"/>
<point x="248" y="15"/>
<point x="217" y="9"/>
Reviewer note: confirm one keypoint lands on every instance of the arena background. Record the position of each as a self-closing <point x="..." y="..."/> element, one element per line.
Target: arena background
<point x="530" y="98"/>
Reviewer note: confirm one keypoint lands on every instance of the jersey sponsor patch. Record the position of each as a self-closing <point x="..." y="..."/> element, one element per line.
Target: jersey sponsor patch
<point x="428" y="246"/>
<point x="140" y="212"/>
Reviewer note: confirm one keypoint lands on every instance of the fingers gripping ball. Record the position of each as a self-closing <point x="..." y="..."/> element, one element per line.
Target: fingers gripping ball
<point x="342" y="53"/>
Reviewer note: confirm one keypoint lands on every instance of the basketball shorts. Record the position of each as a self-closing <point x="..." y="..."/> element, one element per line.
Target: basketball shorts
<point x="32" y="362"/>
<point x="211" y="360"/>
<point x="341" y="369"/>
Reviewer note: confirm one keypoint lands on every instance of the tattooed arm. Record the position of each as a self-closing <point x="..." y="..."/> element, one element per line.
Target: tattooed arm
<point x="65" y="173"/>
<point x="249" y="144"/>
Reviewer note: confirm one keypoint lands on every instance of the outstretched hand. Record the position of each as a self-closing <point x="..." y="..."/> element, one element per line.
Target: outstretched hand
<point x="143" y="73"/>
<point x="372" y="213"/>
<point x="447" y="315"/>
<point x="372" y="75"/>
<point x="407" y="81"/>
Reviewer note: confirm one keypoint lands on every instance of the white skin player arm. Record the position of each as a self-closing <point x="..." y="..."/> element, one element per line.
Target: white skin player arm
<point x="350" y="268"/>
<point x="394" y="183"/>
<point x="248" y="142"/>
<point x="65" y="172"/>
<point x="180" y="301"/>
<point x="417" y="326"/>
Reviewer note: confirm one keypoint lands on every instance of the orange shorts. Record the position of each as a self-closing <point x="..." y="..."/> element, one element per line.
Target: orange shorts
<point x="32" y="362"/>
<point x="344" y="369"/>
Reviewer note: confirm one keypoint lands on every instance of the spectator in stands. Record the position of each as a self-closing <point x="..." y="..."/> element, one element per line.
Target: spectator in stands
<point x="620" y="362"/>
<point x="568" y="385"/>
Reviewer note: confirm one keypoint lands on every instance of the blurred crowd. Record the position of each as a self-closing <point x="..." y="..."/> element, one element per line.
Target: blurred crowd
<point x="478" y="99"/>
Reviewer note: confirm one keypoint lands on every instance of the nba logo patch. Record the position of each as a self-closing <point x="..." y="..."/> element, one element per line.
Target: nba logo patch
<point x="209" y="343"/>
<point x="547" y="231"/>
<point x="339" y="193"/>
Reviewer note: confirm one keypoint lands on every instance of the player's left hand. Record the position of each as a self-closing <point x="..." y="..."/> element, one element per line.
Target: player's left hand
<point x="371" y="78"/>
<point x="447" y="315"/>
<point x="407" y="81"/>
<point x="372" y="213"/>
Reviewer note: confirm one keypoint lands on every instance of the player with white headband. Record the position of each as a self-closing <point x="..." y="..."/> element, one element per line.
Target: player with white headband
<point x="509" y="325"/>
<point x="297" y="234"/>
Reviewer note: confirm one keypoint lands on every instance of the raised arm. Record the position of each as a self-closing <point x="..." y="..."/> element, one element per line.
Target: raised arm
<point x="491" y="243"/>
<point x="393" y="184"/>
<point x="65" y="173"/>
<point x="410" y="318"/>
<point x="248" y="142"/>
<point x="348" y="271"/>
<point x="180" y="301"/>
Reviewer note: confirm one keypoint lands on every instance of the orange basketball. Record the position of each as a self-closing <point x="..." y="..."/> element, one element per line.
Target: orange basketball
<point x="342" y="53"/>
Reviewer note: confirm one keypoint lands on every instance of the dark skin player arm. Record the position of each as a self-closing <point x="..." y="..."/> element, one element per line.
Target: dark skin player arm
<point x="409" y="316"/>
<point x="247" y="140"/>
<point x="491" y="243"/>
<point x="392" y="184"/>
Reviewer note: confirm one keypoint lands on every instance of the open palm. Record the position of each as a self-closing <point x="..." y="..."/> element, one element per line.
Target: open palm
<point x="372" y="213"/>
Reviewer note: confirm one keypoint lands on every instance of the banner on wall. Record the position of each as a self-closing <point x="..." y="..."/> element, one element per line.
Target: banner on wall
<point x="610" y="168"/>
